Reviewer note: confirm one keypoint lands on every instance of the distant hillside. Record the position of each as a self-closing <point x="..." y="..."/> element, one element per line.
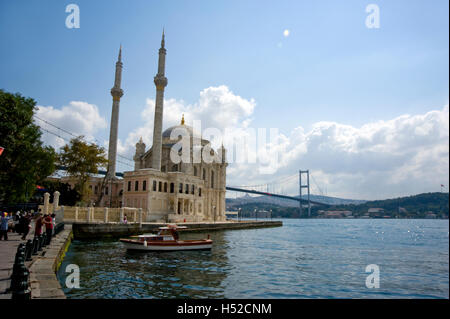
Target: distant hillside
<point x="246" y="199"/>
<point x="412" y="206"/>
<point x="416" y="206"/>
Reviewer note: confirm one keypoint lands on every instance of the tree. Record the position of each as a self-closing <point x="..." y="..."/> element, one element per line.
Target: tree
<point x="69" y="196"/>
<point x="24" y="161"/>
<point x="81" y="161"/>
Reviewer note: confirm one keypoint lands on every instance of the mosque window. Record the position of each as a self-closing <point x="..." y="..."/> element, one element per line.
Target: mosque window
<point x="154" y="186"/>
<point x="165" y="187"/>
<point x="187" y="189"/>
<point x="195" y="170"/>
<point x="136" y="186"/>
<point x="200" y="191"/>
<point x="181" y="188"/>
<point x="144" y="185"/>
<point x="160" y="187"/>
<point x="212" y="179"/>
<point x="172" y="187"/>
<point x="174" y="168"/>
<point x="163" y="169"/>
<point x="193" y="189"/>
<point x="129" y="186"/>
<point x="204" y="174"/>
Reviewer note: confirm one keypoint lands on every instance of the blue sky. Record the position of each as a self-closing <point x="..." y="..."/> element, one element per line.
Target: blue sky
<point x="331" y="67"/>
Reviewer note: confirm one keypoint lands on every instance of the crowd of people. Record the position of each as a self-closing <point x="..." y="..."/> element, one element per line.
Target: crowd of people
<point x="21" y="221"/>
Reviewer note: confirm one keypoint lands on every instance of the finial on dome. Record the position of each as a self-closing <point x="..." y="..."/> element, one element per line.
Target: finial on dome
<point x="182" y="120"/>
<point x="140" y="140"/>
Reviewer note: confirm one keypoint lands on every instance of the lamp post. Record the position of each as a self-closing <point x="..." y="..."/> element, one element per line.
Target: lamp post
<point x="256" y="216"/>
<point x="239" y="214"/>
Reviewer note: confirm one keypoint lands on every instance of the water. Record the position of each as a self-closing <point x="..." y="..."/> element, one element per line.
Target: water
<point x="316" y="258"/>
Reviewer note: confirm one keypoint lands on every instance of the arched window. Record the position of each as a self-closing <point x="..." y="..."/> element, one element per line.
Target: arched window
<point x="195" y="170"/>
<point x="193" y="189"/>
<point x="160" y="187"/>
<point x="154" y="186"/>
<point x="187" y="189"/>
<point x="144" y="185"/>
<point x="165" y="187"/>
<point x="200" y="192"/>
<point x="172" y="187"/>
<point x="129" y="187"/>
<point x="212" y="179"/>
<point x="181" y="188"/>
<point x="204" y="174"/>
<point x="136" y="185"/>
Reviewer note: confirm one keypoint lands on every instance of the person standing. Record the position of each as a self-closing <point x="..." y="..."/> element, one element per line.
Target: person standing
<point x="38" y="225"/>
<point x="48" y="221"/>
<point x="26" y="225"/>
<point x="4" y="226"/>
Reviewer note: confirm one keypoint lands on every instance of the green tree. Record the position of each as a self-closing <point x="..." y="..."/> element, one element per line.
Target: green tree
<point x="25" y="161"/>
<point x="69" y="196"/>
<point x="82" y="161"/>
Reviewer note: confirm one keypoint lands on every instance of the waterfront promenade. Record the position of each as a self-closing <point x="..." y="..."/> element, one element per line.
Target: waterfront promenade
<point x="42" y="267"/>
<point x="8" y="251"/>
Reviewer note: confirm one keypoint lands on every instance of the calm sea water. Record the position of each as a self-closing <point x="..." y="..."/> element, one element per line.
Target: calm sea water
<point x="320" y="258"/>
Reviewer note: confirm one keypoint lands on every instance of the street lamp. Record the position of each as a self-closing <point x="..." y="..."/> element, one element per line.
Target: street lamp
<point x="256" y="216"/>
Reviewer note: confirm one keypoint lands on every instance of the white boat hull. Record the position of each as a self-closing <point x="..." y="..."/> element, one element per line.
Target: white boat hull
<point x="166" y="247"/>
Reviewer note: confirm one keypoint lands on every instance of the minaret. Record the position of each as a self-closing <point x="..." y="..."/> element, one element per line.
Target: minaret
<point x="160" y="83"/>
<point x="116" y="93"/>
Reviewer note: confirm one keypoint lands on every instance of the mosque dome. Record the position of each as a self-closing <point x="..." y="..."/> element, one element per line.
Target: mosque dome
<point x="178" y="130"/>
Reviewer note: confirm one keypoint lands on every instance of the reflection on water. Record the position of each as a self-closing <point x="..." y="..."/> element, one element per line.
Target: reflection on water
<point x="302" y="259"/>
<point x="107" y="270"/>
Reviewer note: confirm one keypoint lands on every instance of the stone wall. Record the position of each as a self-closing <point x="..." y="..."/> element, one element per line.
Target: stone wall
<point x="43" y="281"/>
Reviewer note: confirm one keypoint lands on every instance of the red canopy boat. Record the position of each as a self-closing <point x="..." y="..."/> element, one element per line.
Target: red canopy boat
<point x="166" y="240"/>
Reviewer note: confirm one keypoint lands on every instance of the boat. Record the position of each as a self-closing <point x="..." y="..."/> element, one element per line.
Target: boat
<point x="167" y="239"/>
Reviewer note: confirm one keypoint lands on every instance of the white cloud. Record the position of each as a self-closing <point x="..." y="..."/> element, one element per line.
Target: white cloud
<point x="401" y="156"/>
<point x="79" y="118"/>
<point x="217" y="107"/>
<point x="405" y="155"/>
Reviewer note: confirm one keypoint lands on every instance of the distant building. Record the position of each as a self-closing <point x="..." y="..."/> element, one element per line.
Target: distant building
<point x="335" y="213"/>
<point x="430" y="215"/>
<point x="376" y="212"/>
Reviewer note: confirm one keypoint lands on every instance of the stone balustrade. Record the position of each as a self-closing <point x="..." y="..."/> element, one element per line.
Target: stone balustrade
<point x="103" y="214"/>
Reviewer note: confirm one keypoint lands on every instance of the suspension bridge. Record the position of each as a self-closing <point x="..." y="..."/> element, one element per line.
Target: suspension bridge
<point x="279" y="189"/>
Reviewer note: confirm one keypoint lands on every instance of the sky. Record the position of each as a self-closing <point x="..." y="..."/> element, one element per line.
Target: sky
<point x="364" y="109"/>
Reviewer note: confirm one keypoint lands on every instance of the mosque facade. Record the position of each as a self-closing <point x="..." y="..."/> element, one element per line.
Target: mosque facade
<point x="166" y="188"/>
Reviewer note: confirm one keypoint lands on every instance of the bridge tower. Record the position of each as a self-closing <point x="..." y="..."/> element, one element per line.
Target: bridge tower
<point x="301" y="186"/>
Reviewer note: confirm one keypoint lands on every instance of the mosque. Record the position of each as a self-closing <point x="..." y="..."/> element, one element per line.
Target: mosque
<point x="192" y="190"/>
